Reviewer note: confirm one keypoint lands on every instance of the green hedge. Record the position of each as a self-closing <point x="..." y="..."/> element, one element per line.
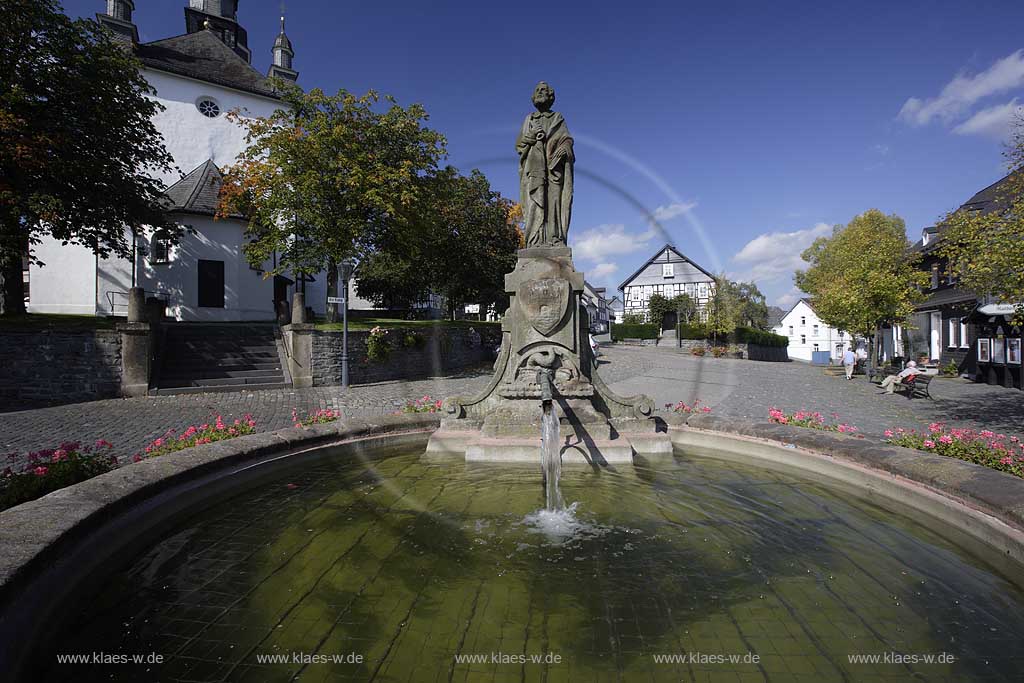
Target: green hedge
<point x="630" y="331"/>
<point x="692" y="332"/>
<point x="748" y="335"/>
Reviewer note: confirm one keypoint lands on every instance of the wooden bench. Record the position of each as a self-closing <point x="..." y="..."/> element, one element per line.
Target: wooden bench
<point x="876" y="375"/>
<point x="915" y="385"/>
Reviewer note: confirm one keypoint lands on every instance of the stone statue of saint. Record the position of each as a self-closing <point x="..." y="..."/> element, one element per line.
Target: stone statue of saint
<point x="545" y="172"/>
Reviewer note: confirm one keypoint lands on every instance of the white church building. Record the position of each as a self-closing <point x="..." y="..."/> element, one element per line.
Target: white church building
<point x="807" y="333"/>
<point x="198" y="77"/>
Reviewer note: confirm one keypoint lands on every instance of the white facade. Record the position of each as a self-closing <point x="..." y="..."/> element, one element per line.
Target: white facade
<point x="807" y="334"/>
<point x="74" y="280"/>
<point x="668" y="273"/>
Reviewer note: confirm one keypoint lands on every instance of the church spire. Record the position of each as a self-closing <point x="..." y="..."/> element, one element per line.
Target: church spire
<point x="283" y="54"/>
<point x="221" y="17"/>
<point x="118" y="19"/>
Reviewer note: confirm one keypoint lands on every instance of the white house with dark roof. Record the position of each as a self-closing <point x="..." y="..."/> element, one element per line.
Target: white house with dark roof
<point x="668" y="273"/>
<point x="198" y="77"/>
<point x="807" y="333"/>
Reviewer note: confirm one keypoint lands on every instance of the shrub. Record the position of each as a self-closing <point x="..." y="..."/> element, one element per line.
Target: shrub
<point x="682" y="407"/>
<point x="378" y="346"/>
<point x="633" y="319"/>
<point x="52" y="469"/>
<point x="197" y="436"/>
<point x="634" y="331"/>
<point x="748" y="335"/>
<point x="811" y="420"/>
<point x="951" y="369"/>
<point x="698" y="351"/>
<point x="983" y="448"/>
<point x="426" y="404"/>
<point x="317" y="417"/>
<point x="719" y="351"/>
<point x="693" y="332"/>
<point x="413" y="340"/>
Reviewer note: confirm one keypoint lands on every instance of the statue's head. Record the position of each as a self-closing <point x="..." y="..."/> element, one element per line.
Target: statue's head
<point x="543" y="96"/>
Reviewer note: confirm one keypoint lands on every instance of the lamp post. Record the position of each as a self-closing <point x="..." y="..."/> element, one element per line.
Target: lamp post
<point x="345" y="270"/>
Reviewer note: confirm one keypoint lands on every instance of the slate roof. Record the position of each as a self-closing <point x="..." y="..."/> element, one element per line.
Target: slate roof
<point x="203" y="56"/>
<point x="993" y="198"/>
<point x="658" y="253"/>
<point x="198" y="191"/>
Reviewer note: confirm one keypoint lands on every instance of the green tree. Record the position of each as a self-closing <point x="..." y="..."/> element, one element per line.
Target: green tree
<point x="460" y="244"/>
<point x="77" y="142"/>
<point x="863" y="276"/>
<point x="752" y="309"/>
<point x="632" y="319"/>
<point x="722" y="309"/>
<point x="658" y="307"/>
<point x="325" y="175"/>
<point x="986" y="250"/>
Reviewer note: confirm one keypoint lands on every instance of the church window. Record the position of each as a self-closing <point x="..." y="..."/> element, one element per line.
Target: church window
<point x="208" y="108"/>
<point x="160" y="247"/>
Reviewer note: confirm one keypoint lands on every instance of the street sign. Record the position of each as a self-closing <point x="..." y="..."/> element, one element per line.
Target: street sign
<point x="335" y="299"/>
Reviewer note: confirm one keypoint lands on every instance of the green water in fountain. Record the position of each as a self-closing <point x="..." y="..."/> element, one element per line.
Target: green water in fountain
<point x="406" y="564"/>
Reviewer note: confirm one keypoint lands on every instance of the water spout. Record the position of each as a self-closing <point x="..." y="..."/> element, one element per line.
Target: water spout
<point x="550" y="446"/>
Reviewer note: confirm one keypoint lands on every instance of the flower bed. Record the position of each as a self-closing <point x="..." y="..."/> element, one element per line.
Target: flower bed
<point x="997" y="451"/>
<point x="682" y="407"/>
<point x="317" y="417"/>
<point x="810" y="420"/>
<point x="49" y="470"/>
<point x="426" y="404"/>
<point x="196" y="436"/>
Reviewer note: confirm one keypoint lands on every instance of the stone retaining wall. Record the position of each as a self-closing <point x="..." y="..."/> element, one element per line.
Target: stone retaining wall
<point x="438" y="351"/>
<point x="776" y="354"/>
<point x="59" y="366"/>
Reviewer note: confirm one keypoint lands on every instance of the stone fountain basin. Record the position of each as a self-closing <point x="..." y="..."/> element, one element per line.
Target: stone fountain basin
<point x="59" y="546"/>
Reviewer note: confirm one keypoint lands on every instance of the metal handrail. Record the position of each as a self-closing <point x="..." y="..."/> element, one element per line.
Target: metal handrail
<point x="160" y="294"/>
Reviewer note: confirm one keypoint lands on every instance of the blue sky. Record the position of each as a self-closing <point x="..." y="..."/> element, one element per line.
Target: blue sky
<point x="747" y="128"/>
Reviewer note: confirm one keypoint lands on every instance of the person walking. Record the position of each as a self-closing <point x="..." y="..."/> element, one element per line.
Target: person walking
<point x="849" y="361"/>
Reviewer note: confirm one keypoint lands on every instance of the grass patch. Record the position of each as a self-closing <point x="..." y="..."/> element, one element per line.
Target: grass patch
<point x="390" y="323"/>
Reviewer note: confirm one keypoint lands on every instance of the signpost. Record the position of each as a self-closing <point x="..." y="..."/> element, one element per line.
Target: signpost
<point x="345" y="269"/>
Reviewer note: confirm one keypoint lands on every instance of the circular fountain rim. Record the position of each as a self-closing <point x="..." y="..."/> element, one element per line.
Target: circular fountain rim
<point x="980" y="503"/>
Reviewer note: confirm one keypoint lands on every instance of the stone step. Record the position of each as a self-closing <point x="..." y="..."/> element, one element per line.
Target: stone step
<point x="218" y="373"/>
<point x="171" y="391"/>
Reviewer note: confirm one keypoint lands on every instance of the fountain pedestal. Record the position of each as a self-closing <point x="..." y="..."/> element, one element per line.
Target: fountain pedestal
<point x="546" y="330"/>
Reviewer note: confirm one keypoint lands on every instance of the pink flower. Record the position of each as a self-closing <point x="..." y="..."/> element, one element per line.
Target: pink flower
<point x="946" y="439"/>
<point x="888" y="433"/>
<point x="40" y="471"/>
<point x="136" y="458"/>
<point x="706" y="409"/>
<point x="103" y="443"/>
<point x="935" y="427"/>
<point x="928" y="443"/>
<point x="60" y="454"/>
<point x="1006" y="461"/>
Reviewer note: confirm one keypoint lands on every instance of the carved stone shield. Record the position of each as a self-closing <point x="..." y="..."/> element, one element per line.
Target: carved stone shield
<point x="544" y="302"/>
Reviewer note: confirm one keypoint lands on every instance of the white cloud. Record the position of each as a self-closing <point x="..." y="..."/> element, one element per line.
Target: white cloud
<point x="602" y="270"/>
<point x="964" y="90"/>
<point x="611" y="239"/>
<point x="670" y="211"/>
<point x="995" y="121"/>
<point x="881" y="150"/>
<point x="789" y="299"/>
<point x="774" y="255"/>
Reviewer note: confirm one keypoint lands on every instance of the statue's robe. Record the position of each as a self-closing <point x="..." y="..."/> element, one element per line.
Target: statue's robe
<point x="545" y="179"/>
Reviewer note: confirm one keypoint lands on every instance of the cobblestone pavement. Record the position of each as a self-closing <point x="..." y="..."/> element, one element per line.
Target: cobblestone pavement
<point x="731" y="387"/>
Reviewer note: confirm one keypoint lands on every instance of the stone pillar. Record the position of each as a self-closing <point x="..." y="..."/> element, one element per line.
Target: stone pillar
<point x="135" y="357"/>
<point x="298" y="308"/>
<point x="136" y="305"/>
<point x="298" y="340"/>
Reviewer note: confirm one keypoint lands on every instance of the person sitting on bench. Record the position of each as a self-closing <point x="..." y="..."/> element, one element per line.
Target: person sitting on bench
<point x="890" y="382"/>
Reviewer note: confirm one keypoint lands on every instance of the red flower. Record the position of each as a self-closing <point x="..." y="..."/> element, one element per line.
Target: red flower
<point x="40" y="471"/>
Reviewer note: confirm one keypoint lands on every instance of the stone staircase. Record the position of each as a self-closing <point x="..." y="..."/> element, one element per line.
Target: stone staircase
<point x="205" y="357"/>
<point x="668" y="338"/>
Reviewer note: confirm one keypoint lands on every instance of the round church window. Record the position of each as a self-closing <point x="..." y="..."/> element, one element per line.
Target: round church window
<point x="208" y="107"/>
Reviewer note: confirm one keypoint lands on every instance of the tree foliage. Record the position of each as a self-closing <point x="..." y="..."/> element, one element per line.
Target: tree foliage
<point x="986" y="250"/>
<point x="77" y="142"/>
<point x="659" y="307"/>
<point x="324" y="175"/>
<point x="863" y="276"/>
<point x="722" y="309"/>
<point x="751" y="307"/>
<point x="460" y="243"/>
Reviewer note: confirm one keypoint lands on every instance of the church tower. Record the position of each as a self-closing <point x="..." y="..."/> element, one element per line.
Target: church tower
<point x="221" y="17"/>
<point x="118" y="18"/>
<point x="283" y="54"/>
